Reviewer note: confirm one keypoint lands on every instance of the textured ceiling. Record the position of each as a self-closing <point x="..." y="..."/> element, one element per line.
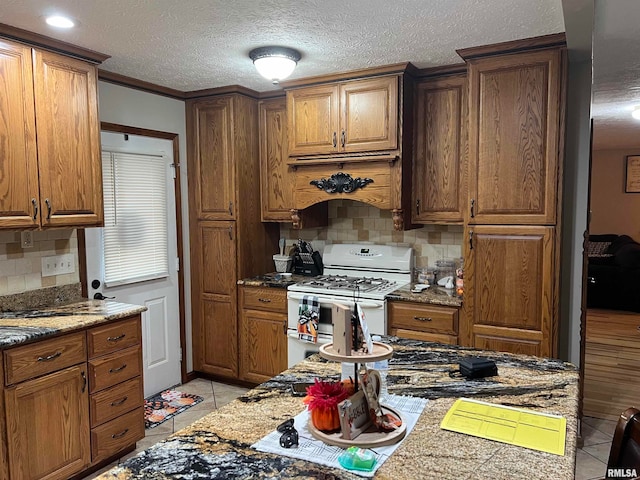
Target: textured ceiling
<point x="196" y="44"/>
<point x="616" y="74"/>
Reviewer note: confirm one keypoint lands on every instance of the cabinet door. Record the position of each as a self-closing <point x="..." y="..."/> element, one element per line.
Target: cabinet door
<point x="369" y="115"/>
<point x="263" y="345"/>
<point x="313" y="118"/>
<point x="439" y="161"/>
<point x="48" y="425"/>
<point x="215" y="338"/>
<point x="210" y="151"/>
<point x="514" y="130"/>
<point x="68" y="135"/>
<point x="509" y="288"/>
<point x="276" y="178"/>
<point x="19" y="194"/>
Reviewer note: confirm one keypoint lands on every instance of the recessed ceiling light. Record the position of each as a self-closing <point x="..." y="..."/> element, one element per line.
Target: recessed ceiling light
<point x="59" y="21"/>
<point x="636" y="113"/>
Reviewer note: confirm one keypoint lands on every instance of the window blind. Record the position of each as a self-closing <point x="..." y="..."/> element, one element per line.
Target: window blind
<point x="135" y="218"/>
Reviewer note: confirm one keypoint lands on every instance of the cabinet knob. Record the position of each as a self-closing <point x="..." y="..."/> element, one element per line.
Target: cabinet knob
<point x="473" y="208"/>
<point x="418" y="206"/>
<point x="121" y="434"/>
<point x="118" y="338"/>
<point x="48" y="358"/>
<point x="34" y="202"/>
<point x="119" y="402"/>
<point x="264" y="300"/>
<point x="335" y="140"/>
<point x="343" y="138"/>
<point x="423" y="319"/>
<point x="48" y="202"/>
<point x="84" y="381"/>
<point x="119" y="369"/>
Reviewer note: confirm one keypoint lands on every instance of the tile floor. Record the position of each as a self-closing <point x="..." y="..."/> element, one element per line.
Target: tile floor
<point x="591" y="459"/>
<point x="215" y="396"/>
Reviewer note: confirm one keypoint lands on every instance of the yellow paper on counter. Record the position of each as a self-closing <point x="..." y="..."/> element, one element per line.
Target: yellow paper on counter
<point x="515" y="426"/>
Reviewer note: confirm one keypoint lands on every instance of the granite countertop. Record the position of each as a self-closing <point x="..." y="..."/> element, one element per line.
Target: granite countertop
<point x="23" y="326"/>
<point x="218" y="445"/>
<point x="434" y="295"/>
<point x="274" y="279"/>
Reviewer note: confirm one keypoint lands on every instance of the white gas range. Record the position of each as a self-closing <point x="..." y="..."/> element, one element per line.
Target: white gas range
<point x="361" y="273"/>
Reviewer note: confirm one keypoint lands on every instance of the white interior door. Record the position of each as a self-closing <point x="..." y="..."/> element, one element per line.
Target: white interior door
<point x="161" y="321"/>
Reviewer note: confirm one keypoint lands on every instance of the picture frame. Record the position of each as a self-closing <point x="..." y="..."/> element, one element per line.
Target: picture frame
<point x="632" y="174"/>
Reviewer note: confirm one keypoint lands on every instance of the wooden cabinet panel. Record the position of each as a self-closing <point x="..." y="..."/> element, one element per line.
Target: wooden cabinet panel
<point x="217" y="258"/>
<point x="19" y="194"/>
<point x="270" y="299"/>
<point x="505" y="344"/>
<point x="424" y="336"/>
<point x="263" y="345"/>
<point x="369" y="115"/>
<point x="48" y="425"/>
<point x="46" y="356"/>
<point x="313" y="120"/>
<point x="68" y="140"/>
<point x="440" y="151"/>
<point x="509" y="287"/>
<point x="219" y="337"/>
<point x="514" y="129"/>
<point x="4" y="464"/>
<point x="276" y="176"/>
<point x="113" y="402"/>
<point x="114" y="336"/>
<point x="114" y="368"/>
<point x="113" y="436"/>
<point x="423" y="317"/>
<point x="210" y="126"/>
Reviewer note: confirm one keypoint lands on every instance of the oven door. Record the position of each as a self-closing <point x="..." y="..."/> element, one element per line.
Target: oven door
<point x="298" y="350"/>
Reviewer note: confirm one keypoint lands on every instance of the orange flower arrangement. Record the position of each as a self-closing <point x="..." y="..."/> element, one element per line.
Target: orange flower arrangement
<point x="322" y="401"/>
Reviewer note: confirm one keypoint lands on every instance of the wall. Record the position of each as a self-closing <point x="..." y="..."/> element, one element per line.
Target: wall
<point x="134" y="108"/>
<point x="613" y="210"/>
<point x="21" y="269"/>
<point x="355" y="222"/>
<point x="574" y="211"/>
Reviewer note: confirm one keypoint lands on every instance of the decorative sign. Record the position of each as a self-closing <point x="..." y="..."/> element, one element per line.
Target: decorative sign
<point x="354" y="415"/>
<point x="632" y="179"/>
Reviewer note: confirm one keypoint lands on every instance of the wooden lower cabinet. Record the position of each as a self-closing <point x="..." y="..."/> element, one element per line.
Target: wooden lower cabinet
<point x="48" y="425"/>
<point x="510" y="289"/>
<point x="263" y="333"/>
<point x="612" y="358"/>
<point x="57" y="419"/>
<point x="420" y="321"/>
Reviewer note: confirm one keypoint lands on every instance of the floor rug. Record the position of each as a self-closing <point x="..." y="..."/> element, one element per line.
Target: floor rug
<point x="165" y="405"/>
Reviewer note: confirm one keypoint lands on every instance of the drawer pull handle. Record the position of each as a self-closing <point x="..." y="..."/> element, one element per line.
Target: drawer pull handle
<point x="119" y="402"/>
<point x="119" y="369"/>
<point x="121" y="434"/>
<point x="84" y="381"/>
<point x="48" y="358"/>
<point x="423" y="319"/>
<point x="115" y="339"/>
<point x="264" y="300"/>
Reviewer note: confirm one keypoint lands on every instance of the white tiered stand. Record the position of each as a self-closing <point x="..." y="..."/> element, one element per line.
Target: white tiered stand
<point x="371" y="437"/>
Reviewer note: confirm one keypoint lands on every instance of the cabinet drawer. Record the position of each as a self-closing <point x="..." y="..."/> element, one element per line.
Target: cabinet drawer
<point x="424" y="336"/>
<point x="274" y="300"/>
<point x="117" y="434"/>
<point x="417" y="316"/>
<point x="115" y="336"/>
<point x="113" y="402"/>
<point x="44" y="357"/>
<point x="114" y="368"/>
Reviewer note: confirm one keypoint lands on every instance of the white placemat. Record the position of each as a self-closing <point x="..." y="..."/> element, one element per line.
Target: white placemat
<point x="313" y="450"/>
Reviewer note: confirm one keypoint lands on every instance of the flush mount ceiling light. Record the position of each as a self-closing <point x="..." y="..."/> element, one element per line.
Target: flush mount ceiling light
<point x="274" y="63"/>
<point x="59" y="21"/>
<point x="636" y="113"/>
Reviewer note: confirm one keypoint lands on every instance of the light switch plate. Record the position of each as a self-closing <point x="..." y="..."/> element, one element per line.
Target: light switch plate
<point x="58" y="265"/>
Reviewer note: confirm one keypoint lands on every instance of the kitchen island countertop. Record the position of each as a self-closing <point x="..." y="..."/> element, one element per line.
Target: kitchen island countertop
<point x="218" y="445"/>
<point x="22" y="326"/>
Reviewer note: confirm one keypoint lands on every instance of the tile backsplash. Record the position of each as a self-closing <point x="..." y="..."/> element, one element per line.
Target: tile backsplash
<point x="355" y="222"/>
<point x="21" y="268"/>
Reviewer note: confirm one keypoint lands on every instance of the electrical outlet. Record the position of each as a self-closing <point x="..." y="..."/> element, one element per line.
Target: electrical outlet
<point x="58" y="265"/>
<point x="26" y="239"/>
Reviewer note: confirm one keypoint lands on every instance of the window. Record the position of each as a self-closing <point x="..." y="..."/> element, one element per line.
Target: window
<point x="135" y="218"/>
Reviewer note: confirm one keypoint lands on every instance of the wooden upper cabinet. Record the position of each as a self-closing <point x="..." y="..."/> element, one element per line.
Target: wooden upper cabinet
<point x="514" y="130"/>
<point x="68" y="140"/>
<point x="440" y="150"/>
<point x="510" y="288"/>
<point x="369" y="115"/>
<point x="210" y="125"/>
<point x="18" y="162"/>
<point x="350" y="117"/>
<point x="313" y="120"/>
<point x="276" y="186"/>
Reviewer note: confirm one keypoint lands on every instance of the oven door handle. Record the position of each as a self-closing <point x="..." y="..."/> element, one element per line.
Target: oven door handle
<point x="322" y="338"/>
<point x="347" y="304"/>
